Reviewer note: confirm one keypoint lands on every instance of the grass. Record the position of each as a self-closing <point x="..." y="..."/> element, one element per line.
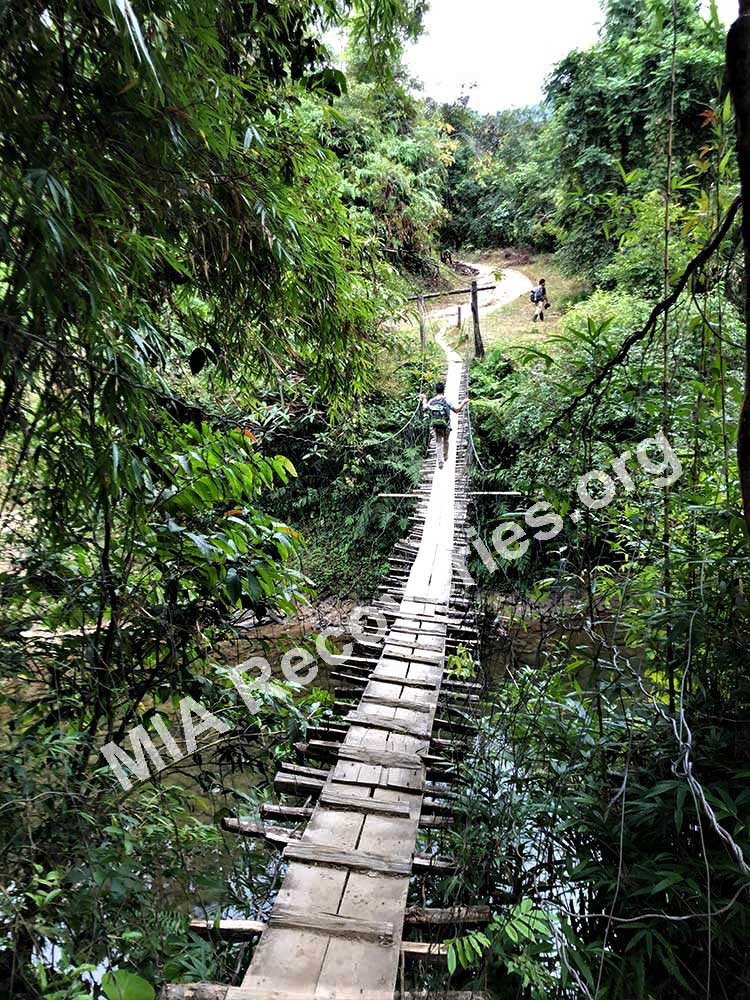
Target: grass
<point x="513" y="323"/>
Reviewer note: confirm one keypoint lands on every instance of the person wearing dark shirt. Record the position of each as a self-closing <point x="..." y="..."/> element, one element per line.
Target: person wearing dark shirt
<point x="440" y="410"/>
<point x="540" y="300"/>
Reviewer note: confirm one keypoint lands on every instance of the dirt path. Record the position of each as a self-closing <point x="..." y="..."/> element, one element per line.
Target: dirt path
<point x="513" y="285"/>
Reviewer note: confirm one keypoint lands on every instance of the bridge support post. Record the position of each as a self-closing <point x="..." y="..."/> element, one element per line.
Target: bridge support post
<point x="478" y="345"/>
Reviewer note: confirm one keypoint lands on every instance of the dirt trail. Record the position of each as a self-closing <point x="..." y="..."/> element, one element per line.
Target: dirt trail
<point x="512" y="286"/>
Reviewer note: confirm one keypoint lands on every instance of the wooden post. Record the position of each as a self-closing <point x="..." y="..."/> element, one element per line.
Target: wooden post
<point x="422" y="329"/>
<point x="478" y="345"/>
<point x="458" y="321"/>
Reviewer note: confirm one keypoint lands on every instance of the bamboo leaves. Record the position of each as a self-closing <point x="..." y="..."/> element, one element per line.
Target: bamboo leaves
<point x="517" y="940"/>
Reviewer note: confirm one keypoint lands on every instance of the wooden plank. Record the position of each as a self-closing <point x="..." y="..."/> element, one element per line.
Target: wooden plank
<point x="392" y="642"/>
<point x="393" y="611"/>
<point x="453" y="726"/>
<point x="299" y="813"/>
<point x="321" y="854"/>
<point x="319" y="749"/>
<point x="365" y="804"/>
<point x="303" y="772"/>
<point x="235" y="930"/>
<point x="438" y="808"/>
<point x="406" y="681"/>
<point x="308" y="887"/>
<point x="424" y="949"/>
<point x="395" y="779"/>
<point x="461" y="696"/>
<point x="371" y="896"/>
<point x="433" y="916"/>
<point x="448" y="682"/>
<point x="428" y="626"/>
<point x="425" y="640"/>
<point x="443" y="773"/>
<point x="245" y="827"/>
<point x="385" y="758"/>
<point x="395" y="725"/>
<point x="409" y="703"/>
<point x="348" y="693"/>
<point x="303" y="787"/>
<point x="450" y="995"/>
<point x="426" y="864"/>
<point x="275" y="835"/>
<point x="278" y="837"/>
<point x="342" y="707"/>
<point x="332" y="924"/>
<point x="336" y="675"/>
<point x="422" y="626"/>
<point x="466" y="711"/>
<point x="212" y="992"/>
<point x="378" y="756"/>
<point x="394" y="651"/>
<point x="360" y="666"/>
<point x="353" y="773"/>
<point x="327" y="732"/>
<point x="438" y="603"/>
<point x="429" y="821"/>
<point x="193" y="991"/>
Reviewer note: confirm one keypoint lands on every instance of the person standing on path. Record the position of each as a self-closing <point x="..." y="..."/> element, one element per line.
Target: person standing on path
<point x="540" y="300"/>
<point x="439" y="410"/>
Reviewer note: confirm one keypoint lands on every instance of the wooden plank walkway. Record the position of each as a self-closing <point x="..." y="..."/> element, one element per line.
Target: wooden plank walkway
<point x="335" y="929"/>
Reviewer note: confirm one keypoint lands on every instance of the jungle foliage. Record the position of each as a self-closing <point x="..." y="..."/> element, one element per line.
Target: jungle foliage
<point x="207" y="228"/>
<point x="565" y="174"/>
<point x="613" y="772"/>
<point x="192" y="272"/>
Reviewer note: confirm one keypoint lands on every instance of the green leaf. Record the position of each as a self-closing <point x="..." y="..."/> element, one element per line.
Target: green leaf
<point x="475" y="945"/>
<point x="679" y="806"/>
<point x="671" y="879"/>
<point x="451" y="958"/>
<point x="234" y="585"/>
<point x="124" y="985"/>
<point x="461" y="952"/>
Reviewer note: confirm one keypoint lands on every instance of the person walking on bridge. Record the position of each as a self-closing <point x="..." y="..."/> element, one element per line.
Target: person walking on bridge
<point x="540" y="300"/>
<point x="440" y="410"/>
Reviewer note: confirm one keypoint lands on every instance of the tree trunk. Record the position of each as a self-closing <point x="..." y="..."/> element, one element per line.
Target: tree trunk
<point x="738" y="74"/>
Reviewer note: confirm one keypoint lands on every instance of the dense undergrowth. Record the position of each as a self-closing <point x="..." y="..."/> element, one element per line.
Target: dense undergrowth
<point x="593" y="791"/>
<point x="207" y="232"/>
<point x="349" y="529"/>
<point x="201" y="254"/>
<point x="610" y="791"/>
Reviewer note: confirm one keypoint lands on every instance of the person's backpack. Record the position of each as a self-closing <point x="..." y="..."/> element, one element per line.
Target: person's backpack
<point x="538" y="294"/>
<point x="439" y="412"/>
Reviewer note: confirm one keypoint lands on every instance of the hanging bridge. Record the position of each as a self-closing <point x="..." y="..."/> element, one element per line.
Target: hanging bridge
<point x="341" y="922"/>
